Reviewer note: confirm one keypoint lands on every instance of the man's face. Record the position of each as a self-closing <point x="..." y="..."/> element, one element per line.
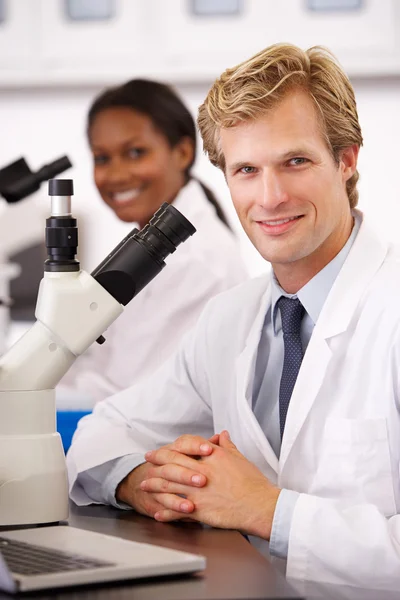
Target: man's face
<point x="289" y="193"/>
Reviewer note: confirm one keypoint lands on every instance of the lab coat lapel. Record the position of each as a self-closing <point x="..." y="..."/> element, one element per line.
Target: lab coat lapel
<point x="365" y="258"/>
<point x="245" y="367"/>
<point x="309" y="380"/>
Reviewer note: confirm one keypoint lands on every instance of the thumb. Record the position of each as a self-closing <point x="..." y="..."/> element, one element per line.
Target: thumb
<point x="225" y="440"/>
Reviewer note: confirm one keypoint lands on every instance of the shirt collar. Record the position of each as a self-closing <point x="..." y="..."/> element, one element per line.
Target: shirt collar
<point x="315" y="292"/>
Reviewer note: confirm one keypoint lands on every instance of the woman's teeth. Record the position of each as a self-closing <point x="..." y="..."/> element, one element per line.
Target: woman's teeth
<point x="126" y="196"/>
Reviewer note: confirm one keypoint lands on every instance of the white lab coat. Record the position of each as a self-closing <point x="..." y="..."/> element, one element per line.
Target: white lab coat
<point x="154" y="322"/>
<point x="341" y="445"/>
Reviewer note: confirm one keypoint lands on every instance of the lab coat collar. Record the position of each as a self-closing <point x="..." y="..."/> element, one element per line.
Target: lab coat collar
<point x="364" y="259"/>
<point x="315" y="292"/>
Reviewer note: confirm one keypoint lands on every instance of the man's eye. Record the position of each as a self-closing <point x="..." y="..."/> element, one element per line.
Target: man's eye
<point x="298" y="160"/>
<point x="247" y="170"/>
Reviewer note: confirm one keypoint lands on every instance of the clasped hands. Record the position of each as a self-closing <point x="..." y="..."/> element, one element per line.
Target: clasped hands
<point x="208" y="481"/>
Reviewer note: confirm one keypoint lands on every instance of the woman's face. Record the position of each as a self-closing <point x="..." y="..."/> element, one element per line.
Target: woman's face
<point x="135" y="168"/>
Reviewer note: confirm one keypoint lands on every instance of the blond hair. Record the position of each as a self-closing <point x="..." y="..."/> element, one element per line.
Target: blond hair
<point x="248" y="90"/>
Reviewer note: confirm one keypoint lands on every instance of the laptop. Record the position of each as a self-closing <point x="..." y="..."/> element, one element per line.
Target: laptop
<point x="61" y="556"/>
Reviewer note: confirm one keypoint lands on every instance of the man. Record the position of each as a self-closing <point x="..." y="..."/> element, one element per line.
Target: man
<point x="288" y="388"/>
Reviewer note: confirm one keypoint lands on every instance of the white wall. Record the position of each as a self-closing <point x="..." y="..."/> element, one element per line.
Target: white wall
<point x="43" y="124"/>
<point x="379" y="112"/>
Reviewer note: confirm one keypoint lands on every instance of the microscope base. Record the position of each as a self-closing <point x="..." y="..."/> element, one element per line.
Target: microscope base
<point x="33" y="477"/>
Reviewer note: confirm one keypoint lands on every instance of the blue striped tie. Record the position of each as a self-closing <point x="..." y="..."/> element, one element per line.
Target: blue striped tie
<point x="292" y="312"/>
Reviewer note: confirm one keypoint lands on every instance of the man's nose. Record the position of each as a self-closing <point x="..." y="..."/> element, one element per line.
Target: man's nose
<point x="273" y="189"/>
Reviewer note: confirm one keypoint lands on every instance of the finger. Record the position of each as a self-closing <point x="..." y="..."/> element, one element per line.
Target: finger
<point x="225" y="440"/>
<point x="158" y="485"/>
<point x="181" y="506"/>
<point x="165" y="456"/>
<point x="148" y="505"/>
<point x="178" y="474"/>
<point x="166" y="515"/>
<point x="192" y="445"/>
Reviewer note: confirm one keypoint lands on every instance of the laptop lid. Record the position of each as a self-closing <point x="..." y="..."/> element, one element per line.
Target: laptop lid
<point x="60" y="556"/>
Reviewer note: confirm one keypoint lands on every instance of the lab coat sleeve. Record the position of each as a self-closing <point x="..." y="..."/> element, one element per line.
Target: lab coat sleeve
<point x="354" y="545"/>
<point x="172" y="402"/>
<point x="98" y="485"/>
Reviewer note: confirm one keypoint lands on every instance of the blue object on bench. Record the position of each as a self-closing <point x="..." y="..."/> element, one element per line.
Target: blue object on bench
<point x="67" y="421"/>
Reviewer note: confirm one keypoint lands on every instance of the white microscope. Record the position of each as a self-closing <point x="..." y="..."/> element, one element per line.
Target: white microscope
<point x="73" y="310"/>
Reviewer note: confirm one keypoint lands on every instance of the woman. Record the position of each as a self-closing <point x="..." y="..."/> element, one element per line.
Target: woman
<point x="143" y="141"/>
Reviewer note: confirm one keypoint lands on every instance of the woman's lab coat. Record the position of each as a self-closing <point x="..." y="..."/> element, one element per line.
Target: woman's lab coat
<point x="341" y="445"/>
<point x="153" y="323"/>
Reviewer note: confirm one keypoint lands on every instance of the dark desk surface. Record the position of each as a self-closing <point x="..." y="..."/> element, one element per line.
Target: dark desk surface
<point x="235" y="570"/>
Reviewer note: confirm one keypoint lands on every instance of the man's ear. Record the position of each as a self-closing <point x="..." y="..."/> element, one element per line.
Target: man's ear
<point x="348" y="161"/>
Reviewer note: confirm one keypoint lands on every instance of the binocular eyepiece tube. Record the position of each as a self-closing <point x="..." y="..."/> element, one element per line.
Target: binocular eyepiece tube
<point x="140" y="255"/>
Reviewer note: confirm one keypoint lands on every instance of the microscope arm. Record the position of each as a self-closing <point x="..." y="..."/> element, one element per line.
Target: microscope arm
<point x="72" y="312"/>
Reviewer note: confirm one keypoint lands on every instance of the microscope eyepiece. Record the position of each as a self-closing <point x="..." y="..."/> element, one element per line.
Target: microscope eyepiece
<point x="172" y="223"/>
<point x="61" y="228"/>
<point x="166" y="230"/>
<point x="140" y="255"/>
<point x="61" y="187"/>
